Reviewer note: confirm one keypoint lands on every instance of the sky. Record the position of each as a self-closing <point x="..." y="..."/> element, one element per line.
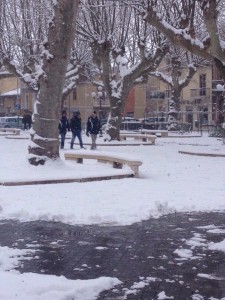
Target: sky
<point x="168" y="182"/>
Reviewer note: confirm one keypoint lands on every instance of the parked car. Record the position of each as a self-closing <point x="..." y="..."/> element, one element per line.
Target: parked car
<point x="155" y="123"/>
<point x="11" y="122"/>
<point x="129" y="119"/>
<point x="129" y="123"/>
<point x="103" y="121"/>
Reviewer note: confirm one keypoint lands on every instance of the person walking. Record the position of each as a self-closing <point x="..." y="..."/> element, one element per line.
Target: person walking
<point x="24" y="121"/>
<point x="75" y="126"/>
<point x="93" y="128"/>
<point x="63" y="128"/>
<point x="29" y="121"/>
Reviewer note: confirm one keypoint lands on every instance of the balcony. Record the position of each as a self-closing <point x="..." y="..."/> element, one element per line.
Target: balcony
<point x="200" y="94"/>
<point x="156" y="95"/>
<point x="168" y="94"/>
<point x="97" y="103"/>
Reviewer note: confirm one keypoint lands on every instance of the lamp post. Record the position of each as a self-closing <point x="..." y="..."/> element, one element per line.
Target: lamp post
<point x="99" y="96"/>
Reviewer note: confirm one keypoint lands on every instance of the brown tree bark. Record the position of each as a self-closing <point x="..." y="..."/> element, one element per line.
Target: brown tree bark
<point x="122" y="84"/>
<point x="45" y="142"/>
<point x="209" y="48"/>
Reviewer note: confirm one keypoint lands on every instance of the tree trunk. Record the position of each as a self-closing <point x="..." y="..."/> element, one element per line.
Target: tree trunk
<point x="117" y="106"/>
<point x="173" y="113"/>
<point x="64" y="96"/>
<point x="174" y="102"/>
<point x="115" y="119"/>
<point x="56" y="57"/>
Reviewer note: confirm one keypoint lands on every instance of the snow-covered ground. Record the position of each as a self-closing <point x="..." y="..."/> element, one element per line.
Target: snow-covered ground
<point x="168" y="182"/>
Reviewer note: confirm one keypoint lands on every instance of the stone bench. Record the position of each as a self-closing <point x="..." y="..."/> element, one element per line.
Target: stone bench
<point x="162" y="133"/>
<point x="143" y="137"/>
<point x="10" y="130"/>
<point x="116" y="161"/>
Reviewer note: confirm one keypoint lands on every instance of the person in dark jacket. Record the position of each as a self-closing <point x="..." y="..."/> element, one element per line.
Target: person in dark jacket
<point x="24" y="121"/>
<point x="75" y="126"/>
<point x="29" y="121"/>
<point x="63" y="128"/>
<point x="93" y="128"/>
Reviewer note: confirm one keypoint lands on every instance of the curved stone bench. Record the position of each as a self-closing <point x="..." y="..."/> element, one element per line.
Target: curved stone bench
<point x="202" y="154"/>
<point x="137" y="136"/>
<point x="116" y="161"/>
<point x="157" y="132"/>
<point x="7" y="130"/>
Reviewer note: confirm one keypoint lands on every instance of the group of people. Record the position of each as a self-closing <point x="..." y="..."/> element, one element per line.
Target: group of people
<point x="92" y="128"/>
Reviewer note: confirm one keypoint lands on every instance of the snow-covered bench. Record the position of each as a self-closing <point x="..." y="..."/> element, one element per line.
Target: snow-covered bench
<point x="137" y="136"/>
<point x="157" y="132"/>
<point x="116" y="161"/>
<point x="10" y="130"/>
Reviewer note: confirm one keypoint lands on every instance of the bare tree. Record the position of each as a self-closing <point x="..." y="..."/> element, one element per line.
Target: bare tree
<point x="56" y="55"/>
<point x="174" y="76"/>
<point x="123" y="50"/>
<point x="37" y="49"/>
<point x="196" y="26"/>
<point x="24" y="26"/>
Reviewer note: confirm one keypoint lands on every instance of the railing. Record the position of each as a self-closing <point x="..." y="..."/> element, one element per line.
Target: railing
<point x="203" y="93"/>
<point x="101" y="103"/>
<point x="168" y="94"/>
<point x="157" y="95"/>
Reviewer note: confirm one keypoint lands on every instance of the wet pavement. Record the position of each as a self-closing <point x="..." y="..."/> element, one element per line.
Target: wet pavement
<point x="155" y="259"/>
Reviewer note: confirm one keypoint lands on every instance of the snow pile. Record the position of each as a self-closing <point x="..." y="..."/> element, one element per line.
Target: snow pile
<point x="28" y="286"/>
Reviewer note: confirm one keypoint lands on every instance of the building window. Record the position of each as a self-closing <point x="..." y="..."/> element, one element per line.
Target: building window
<point x="203" y="115"/>
<point x="168" y="94"/>
<point x="189" y="114"/>
<point x="26" y="102"/>
<point x="74" y="94"/>
<point x="202" y="85"/>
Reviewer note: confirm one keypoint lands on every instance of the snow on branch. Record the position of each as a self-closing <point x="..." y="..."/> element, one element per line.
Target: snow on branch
<point x="178" y="36"/>
<point x="191" y="71"/>
<point x="165" y="78"/>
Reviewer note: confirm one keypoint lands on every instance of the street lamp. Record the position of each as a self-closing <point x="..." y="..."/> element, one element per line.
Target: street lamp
<point x="99" y="96"/>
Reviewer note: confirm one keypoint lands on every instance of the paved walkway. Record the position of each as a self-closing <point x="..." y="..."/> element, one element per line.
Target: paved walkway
<point x="141" y="255"/>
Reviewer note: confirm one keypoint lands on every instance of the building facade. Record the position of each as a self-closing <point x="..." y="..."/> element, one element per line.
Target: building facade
<point x="202" y="100"/>
<point x="9" y="95"/>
